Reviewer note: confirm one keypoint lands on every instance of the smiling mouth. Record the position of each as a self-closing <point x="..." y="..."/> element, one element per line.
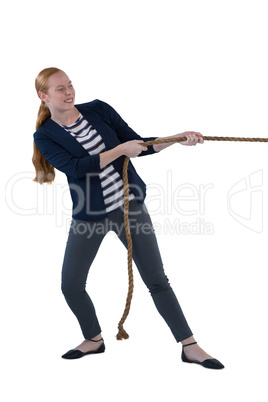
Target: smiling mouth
<point x="68" y="100"/>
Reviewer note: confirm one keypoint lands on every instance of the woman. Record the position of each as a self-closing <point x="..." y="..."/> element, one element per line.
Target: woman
<point x="89" y="142"/>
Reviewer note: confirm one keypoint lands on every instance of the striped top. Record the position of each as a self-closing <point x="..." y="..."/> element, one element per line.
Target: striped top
<point x="111" y="182"/>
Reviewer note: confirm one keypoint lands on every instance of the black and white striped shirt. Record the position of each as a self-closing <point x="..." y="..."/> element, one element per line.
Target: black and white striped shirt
<point x="111" y="182"/>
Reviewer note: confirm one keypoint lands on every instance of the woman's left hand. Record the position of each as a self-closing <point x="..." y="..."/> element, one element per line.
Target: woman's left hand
<point x="193" y="138"/>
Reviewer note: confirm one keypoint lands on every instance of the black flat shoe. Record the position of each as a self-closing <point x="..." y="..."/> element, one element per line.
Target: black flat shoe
<point x="208" y="363"/>
<point x="76" y="354"/>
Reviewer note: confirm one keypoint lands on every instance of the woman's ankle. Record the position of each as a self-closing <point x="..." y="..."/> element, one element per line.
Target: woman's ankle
<point x="96" y="338"/>
<point x="188" y="340"/>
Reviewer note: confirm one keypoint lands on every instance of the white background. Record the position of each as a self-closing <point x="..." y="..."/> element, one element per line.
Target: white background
<point x="166" y="67"/>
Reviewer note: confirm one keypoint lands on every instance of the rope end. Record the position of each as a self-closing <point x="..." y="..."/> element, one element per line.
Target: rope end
<point x="122" y="334"/>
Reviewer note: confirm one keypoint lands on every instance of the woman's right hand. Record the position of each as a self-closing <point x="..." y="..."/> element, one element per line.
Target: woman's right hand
<point x="133" y="148"/>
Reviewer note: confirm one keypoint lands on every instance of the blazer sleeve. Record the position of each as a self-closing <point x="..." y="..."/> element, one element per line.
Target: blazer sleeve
<point x="64" y="161"/>
<point x="124" y="132"/>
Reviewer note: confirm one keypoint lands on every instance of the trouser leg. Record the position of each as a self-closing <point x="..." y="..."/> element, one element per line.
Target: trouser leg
<point x="148" y="260"/>
<point x="82" y="246"/>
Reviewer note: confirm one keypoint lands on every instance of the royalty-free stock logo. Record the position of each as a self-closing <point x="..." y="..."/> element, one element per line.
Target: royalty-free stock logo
<point x="182" y="208"/>
<point x="245" y="201"/>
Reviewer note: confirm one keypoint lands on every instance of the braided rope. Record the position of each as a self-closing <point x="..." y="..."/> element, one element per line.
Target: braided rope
<point x="122" y="334"/>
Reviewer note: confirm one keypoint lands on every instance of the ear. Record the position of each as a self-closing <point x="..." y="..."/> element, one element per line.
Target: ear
<point x="42" y="96"/>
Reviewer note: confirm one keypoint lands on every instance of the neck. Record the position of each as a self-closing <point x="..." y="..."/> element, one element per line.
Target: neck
<point x="65" y="118"/>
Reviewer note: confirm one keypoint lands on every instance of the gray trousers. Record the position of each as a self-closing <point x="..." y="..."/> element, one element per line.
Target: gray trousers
<point x="83" y="242"/>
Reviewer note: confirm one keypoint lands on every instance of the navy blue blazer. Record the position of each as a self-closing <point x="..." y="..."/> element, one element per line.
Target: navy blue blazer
<point x="66" y="154"/>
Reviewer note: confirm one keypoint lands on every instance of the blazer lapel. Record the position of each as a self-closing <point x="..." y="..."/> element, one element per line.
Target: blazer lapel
<point x="59" y="135"/>
<point x="101" y="125"/>
<point x="66" y="140"/>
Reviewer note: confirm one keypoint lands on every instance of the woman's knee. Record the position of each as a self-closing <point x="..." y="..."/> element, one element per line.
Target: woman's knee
<point x="71" y="290"/>
<point x="158" y="285"/>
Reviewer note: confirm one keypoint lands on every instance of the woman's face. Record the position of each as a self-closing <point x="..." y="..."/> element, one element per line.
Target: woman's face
<point x="60" y="95"/>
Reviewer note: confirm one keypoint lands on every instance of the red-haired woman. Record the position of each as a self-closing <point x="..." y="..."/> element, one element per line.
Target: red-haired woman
<point x="89" y="142"/>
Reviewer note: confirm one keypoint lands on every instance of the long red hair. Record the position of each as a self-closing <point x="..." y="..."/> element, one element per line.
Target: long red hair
<point x="45" y="172"/>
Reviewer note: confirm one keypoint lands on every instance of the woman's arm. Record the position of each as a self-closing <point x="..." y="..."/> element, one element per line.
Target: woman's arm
<point x="193" y="138"/>
<point x="129" y="148"/>
<point x="62" y="160"/>
<point x="123" y="131"/>
<point x="133" y="148"/>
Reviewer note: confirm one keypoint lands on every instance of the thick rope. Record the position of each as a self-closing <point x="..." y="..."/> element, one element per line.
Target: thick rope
<point x="122" y="334"/>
